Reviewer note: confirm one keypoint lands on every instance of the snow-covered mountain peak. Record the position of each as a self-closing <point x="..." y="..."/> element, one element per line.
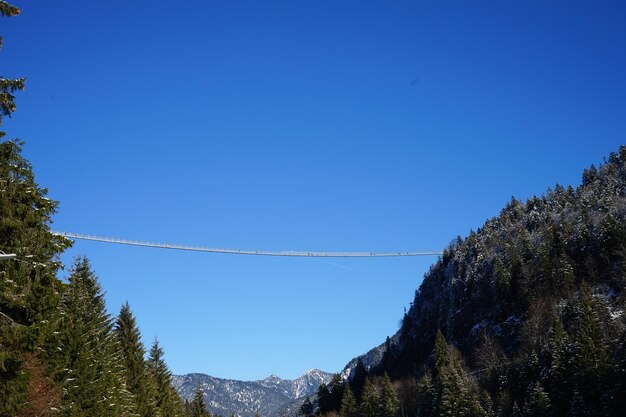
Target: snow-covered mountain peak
<point x="314" y="373"/>
<point x="272" y="379"/>
<point x="271" y="396"/>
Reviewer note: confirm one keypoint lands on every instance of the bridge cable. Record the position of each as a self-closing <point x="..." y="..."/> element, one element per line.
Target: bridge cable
<point x="303" y="254"/>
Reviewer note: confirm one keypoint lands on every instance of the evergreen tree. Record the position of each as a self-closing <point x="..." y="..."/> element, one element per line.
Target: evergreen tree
<point x="425" y="398"/>
<point x="388" y="402"/>
<point x="29" y="291"/>
<point x="537" y="403"/>
<point x="197" y="407"/>
<point x="57" y="349"/>
<point x="453" y="396"/>
<point x="336" y="392"/>
<point x="348" y="403"/>
<point x="166" y="400"/>
<point x="592" y="355"/>
<point x="558" y="376"/>
<point x="506" y="280"/>
<point x="307" y="409"/>
<point x="324" y="399"/>
<point x="93" y="381"/>
<point x="358" y="379"/>
<point x="617" y="394"/>
<point x="132" y="352"/>
<point x="369" y="401"/>
<point x="8" y="86"/>
<point x="591" y="360"/>
<point x="502" y="277"/>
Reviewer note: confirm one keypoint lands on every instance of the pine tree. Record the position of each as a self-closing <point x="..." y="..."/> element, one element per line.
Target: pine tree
<point x="537" y="403"/>
<point x="425" y="398"/>
<point x="132" y="352"/>
<point x="8" y="86"/>
<point x="197" y="407"/>
<point x="324" y="399"/>
<point x="336" y="392"/>
<point x="348" y="403"/>
<point x="388" y="402"/>
<point x="592" y="355"/>
<point x="565" y="275"/>
<point x="369" y="401"/>
<point x="502" y="278"/>
<point x="453" y="395"/>
<point x="307" y="409"/>
<point x="29" y="291"/>
<point x="52" y="335"/>
<point x="358" y="379"/>
<point x="93" y="381"/>
<point x="558" y="377"/>
<point x="166" y="400"/>
<point x="617" y="395"/>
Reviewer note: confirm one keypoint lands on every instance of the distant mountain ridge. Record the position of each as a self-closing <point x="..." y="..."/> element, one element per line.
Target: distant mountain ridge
<point x="270" y="397"/>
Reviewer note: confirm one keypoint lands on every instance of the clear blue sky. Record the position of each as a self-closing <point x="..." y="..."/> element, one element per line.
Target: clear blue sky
<point x="292" y="125"/>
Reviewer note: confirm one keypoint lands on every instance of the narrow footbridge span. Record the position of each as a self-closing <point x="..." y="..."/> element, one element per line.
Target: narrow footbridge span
<point x="303" y="254"/>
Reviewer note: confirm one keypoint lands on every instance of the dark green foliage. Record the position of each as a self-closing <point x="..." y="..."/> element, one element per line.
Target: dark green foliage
<point x="348" y="403"/>
<point x="29" y="291"/>
<point x="324" y="399"/>
<point x="166" y="400"/>
<point x="337" y="386"/>
<point x="13" y="383"/>
<point x="132" y="352"/>
<point x="329" y="397"/>
<point x="530" y="307"/>
<point x="30" y="295"/>
<point x="537" y="402"/>
<point x="8" y="10"/>
<point x="58" y="353"/>
<point x="453" y="394"/>
<point x="358" y="379"/>
<point x="7" y="99"/>
<point x="369" y="401"/>
<point x="8" y="86"/>
<point x="307" y="409"/>
<point x="197" y="407"/>
<point x="91" y="368"/>
<point x="388" y="402"/>
<point x="425" y="397"/>
<point x="591" y="345"/>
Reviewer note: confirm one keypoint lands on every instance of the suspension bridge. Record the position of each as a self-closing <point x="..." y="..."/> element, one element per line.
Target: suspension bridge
<point x="302" y="254"/>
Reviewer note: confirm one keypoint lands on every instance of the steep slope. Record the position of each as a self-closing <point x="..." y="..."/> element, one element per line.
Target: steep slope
<point x="530" y="308"/>
<point x="269" y="397"/>
<point x="371" y="359"/>
<point x="532" y="253"/>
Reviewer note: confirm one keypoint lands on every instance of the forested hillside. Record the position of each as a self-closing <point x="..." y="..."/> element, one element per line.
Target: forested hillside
<point x="523" y="317"/>
<point x="61" y="353"/>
